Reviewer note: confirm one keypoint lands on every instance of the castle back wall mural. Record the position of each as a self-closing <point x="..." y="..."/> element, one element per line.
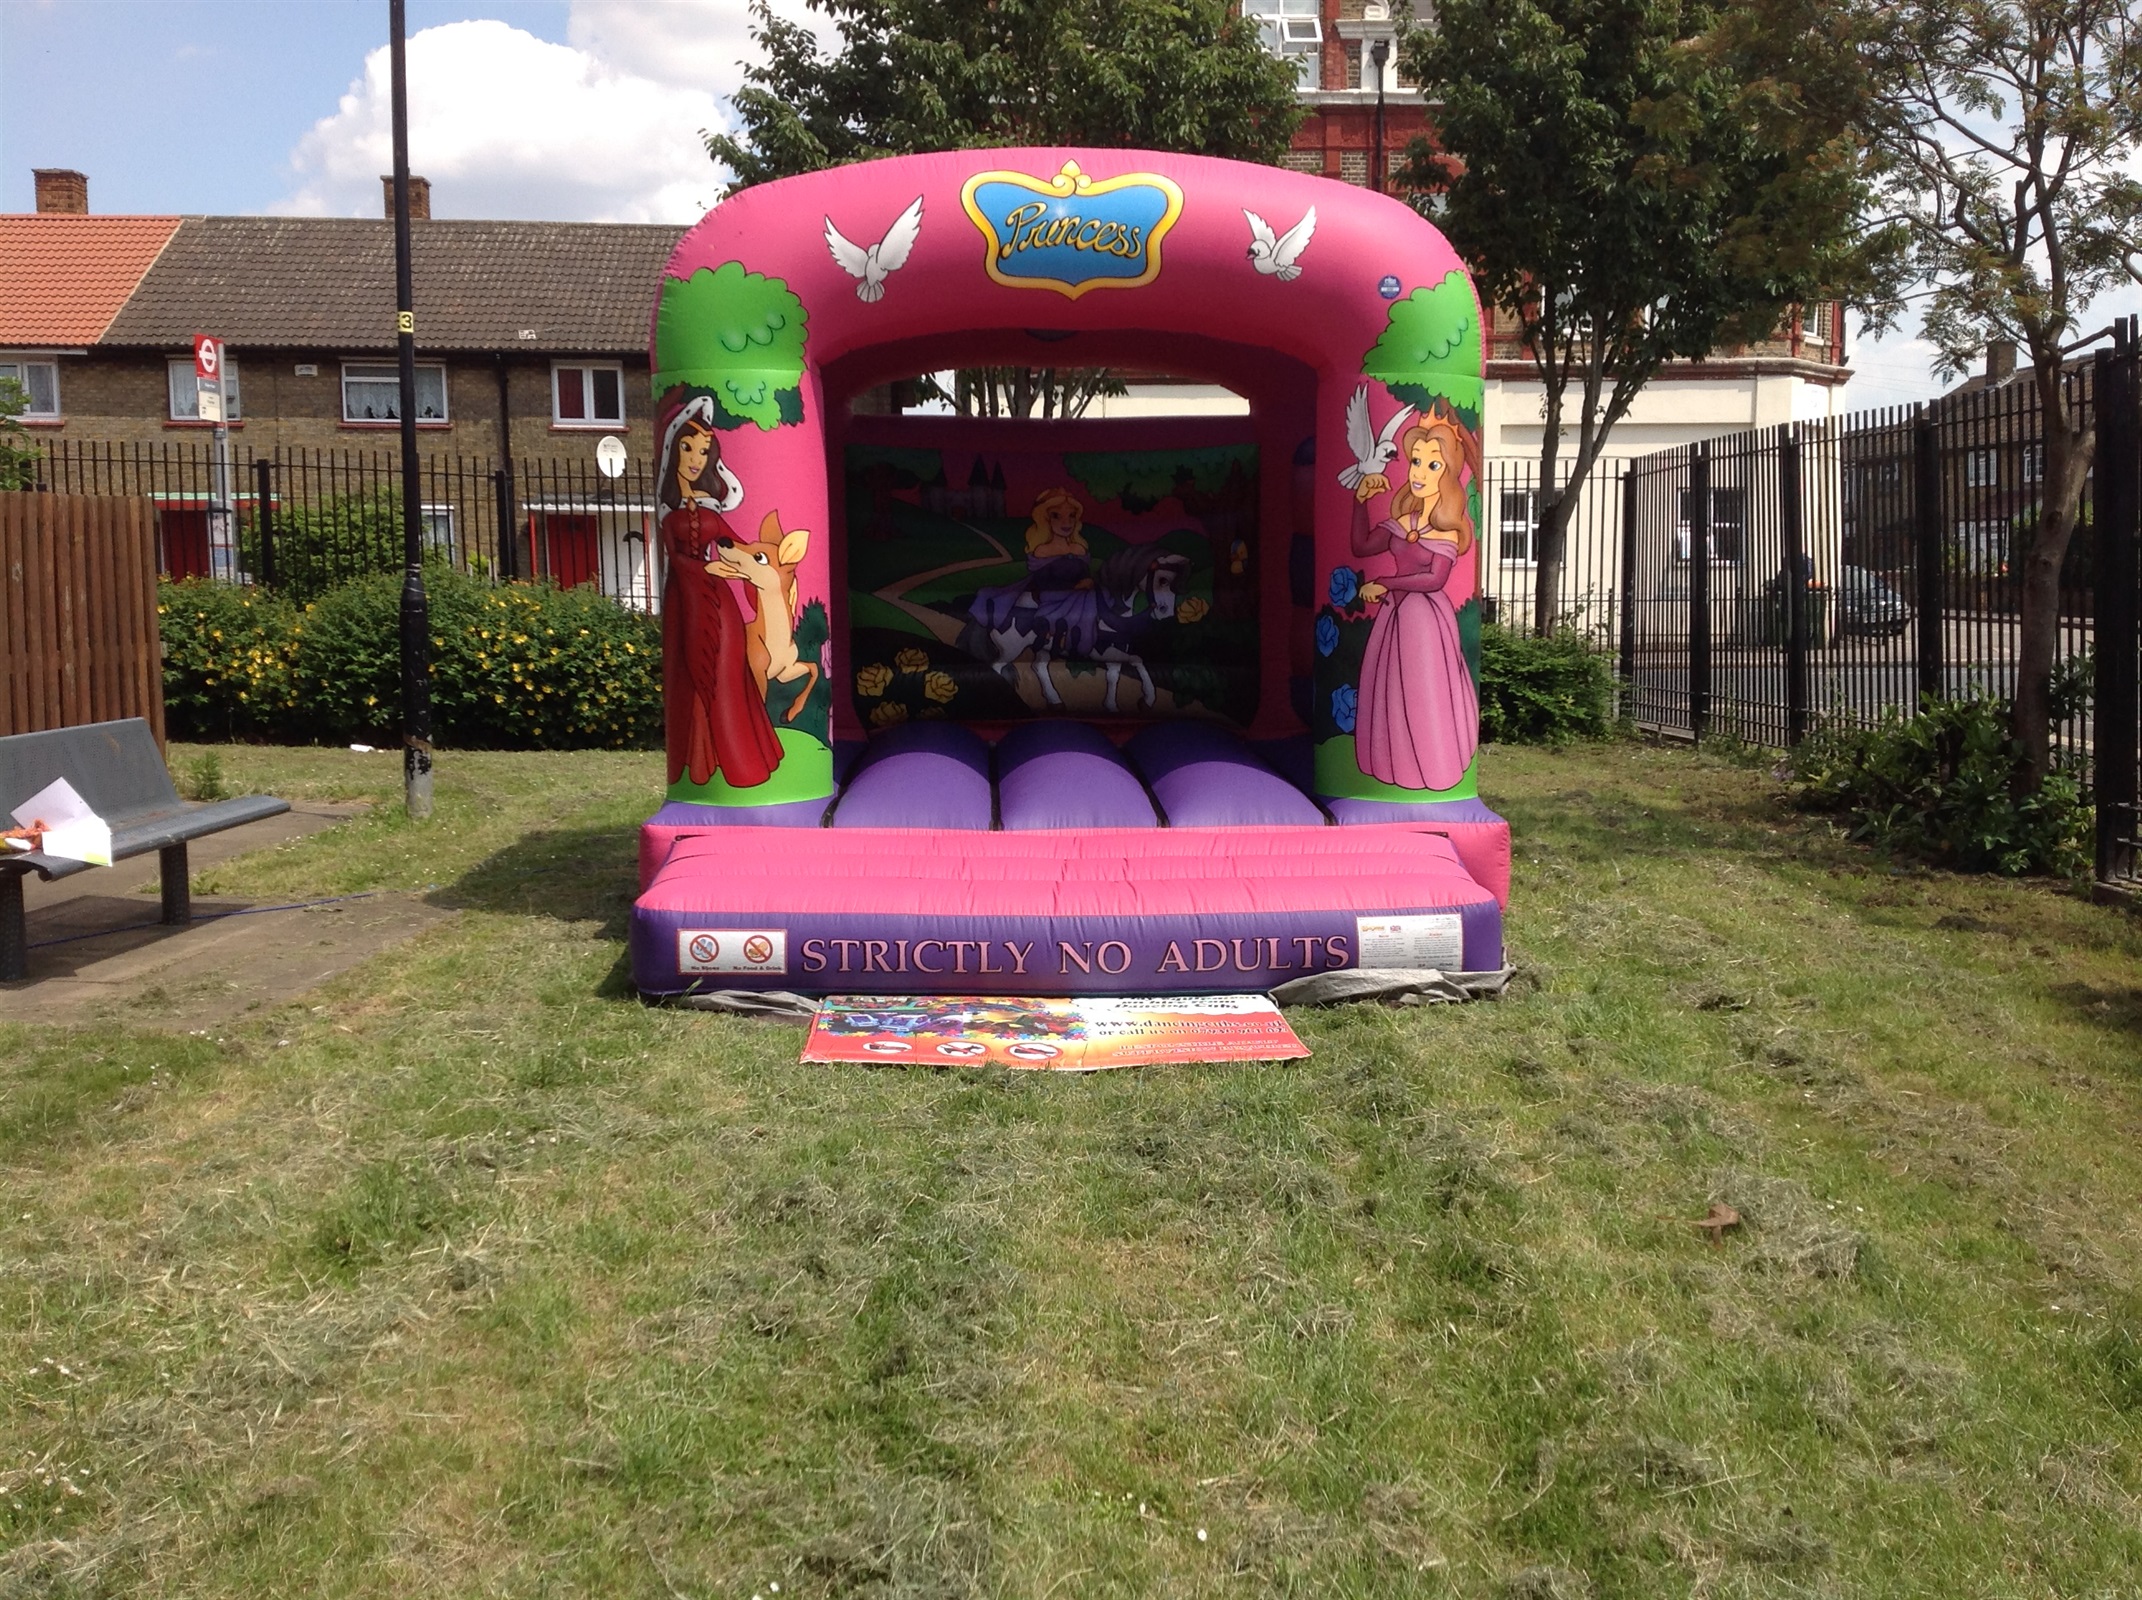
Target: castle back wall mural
<point x="992" y="585"/>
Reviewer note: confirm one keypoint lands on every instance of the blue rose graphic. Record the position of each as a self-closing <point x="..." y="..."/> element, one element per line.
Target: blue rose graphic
<point x="1345" y="584"/>
<point x="1343" y="704"/>
<point x="1327" y="635"/>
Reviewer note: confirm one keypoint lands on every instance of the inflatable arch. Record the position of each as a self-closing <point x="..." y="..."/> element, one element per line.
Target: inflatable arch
<point x="1048" y="705"/>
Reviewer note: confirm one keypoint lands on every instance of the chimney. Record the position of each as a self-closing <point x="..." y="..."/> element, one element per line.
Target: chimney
<point x="2000" y="360"/>
<point x="419" y="197"/>
<point x="61" y="190"/>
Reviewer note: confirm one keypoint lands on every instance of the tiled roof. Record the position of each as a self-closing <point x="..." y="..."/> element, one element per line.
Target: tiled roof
<point x="328" y="282"/>
<point x="62" y="276"/>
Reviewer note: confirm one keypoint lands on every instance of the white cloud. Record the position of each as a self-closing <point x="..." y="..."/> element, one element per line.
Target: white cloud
<point x="607" y="127"/>
<point x="702" y="43"/>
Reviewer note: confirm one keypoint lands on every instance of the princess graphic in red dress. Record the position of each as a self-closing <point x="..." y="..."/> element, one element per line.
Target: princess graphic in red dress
<point x="716" y="712"/>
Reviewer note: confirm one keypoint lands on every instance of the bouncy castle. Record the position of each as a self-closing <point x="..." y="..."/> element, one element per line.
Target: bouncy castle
<point x="1047" y="705"/>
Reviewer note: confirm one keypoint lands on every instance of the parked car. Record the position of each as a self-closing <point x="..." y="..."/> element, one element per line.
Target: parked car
<point x="1867" y="605"/>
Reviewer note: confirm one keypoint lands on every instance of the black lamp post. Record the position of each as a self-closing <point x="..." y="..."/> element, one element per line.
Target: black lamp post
<point x="416" y="612"/>
<point x="1379" y="53"/>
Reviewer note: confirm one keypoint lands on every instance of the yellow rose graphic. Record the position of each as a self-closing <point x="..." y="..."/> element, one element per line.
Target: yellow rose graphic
<point x="874" y="679"/>
<point x="911" y="661"/>
<point x="940" y="687"/>
<point x="886" y="713"/>
<point x="1192" y="609"/>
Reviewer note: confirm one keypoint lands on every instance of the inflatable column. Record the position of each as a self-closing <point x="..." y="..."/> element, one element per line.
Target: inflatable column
<point x="743" y="519"/>
<point x="1394" y="709"/>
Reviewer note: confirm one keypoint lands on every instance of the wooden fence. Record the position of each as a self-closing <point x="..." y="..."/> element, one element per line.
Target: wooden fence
<point x="78" y="634"/>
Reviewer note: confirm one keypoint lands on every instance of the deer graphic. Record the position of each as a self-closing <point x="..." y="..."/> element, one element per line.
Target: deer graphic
<point x="769" y="566"/>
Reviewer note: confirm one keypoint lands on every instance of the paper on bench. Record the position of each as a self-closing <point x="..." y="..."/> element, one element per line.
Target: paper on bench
<point x="73" y="832"/>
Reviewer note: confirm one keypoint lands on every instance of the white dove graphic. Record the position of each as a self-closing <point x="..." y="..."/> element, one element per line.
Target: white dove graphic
<point x="887" y="255"/>
<point x="1275" y="254"/>
<point x="1372" y="451"/>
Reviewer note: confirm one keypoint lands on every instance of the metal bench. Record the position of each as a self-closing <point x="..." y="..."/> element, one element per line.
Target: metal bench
<point x="117" y="769"/>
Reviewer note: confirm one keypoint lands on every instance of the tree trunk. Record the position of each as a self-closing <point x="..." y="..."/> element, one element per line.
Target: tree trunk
<point x="1552" y="524"/>
<point x="1551" y="542"/>
<point x="2067" y="460"/>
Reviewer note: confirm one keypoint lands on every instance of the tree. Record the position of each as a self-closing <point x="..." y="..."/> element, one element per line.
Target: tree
<point x="907" y="76"/>
<point x="2007" y="129"/>
<point x="1637" y="180"/>
<point x="18" y="457"/>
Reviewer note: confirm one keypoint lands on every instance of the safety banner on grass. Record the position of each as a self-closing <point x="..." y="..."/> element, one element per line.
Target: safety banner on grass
<point x="1081" y="1034"/>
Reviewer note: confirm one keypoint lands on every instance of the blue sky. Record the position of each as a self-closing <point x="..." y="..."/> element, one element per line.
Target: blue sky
<point x="565" y="109"/>
<point x="191" y="105"/>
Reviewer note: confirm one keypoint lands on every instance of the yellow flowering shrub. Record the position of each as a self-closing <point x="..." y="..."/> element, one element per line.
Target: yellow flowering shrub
<point x="230" y="659"/>
<point x="514" y="666"/>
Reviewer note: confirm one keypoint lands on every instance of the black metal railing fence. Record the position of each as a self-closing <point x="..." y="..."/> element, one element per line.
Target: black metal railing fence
<point x="1830" y="574"/>
<point x="302" y="521"/>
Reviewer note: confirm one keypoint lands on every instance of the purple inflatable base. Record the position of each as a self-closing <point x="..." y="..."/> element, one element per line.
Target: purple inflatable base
<point x="1105" y="955"/>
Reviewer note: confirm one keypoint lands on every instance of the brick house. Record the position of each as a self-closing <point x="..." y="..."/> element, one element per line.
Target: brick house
<point x="531" y="336"/>
<point x="1332" y="46"/>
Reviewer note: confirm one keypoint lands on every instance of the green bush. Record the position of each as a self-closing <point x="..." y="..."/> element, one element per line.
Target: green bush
<point x="516" y="666"/>
<point x="1942" y="785"/>
<point x="318" y="547"/>
<point x="230" y="658"/>
<point x="1542" y="691"/>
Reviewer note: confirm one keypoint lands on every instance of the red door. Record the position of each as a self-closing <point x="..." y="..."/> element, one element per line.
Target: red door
<point x="183" y="533"/>
<point x="570" y="549"/>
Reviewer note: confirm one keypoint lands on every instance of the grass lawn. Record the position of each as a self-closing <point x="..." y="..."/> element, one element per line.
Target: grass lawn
<point x="472" y="1276"/>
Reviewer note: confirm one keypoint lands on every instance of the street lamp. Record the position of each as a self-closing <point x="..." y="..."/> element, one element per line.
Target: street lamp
<point x="1379" y="53"/>
<point x="416" y="610"/>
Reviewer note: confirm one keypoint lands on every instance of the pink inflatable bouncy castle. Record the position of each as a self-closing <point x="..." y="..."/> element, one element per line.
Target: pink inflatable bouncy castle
<point x="1048" y="706"/>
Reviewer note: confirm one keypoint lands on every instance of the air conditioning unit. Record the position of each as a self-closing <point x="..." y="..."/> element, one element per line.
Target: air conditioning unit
<point x="1300" y="30"/>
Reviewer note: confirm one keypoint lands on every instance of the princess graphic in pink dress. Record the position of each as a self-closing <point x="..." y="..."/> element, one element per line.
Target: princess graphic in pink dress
<point x="1419" y="718"/>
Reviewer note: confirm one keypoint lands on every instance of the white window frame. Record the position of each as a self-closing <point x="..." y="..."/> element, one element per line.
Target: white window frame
<point x="181" y="367"/>
<point x="438" y="527"/>
<point x="1982" y="468"/>
<point x="1293" y="30"/>
<point x="2033" y="462"/>
<point x="21" y="363"/>
<point x="1731" y="499"/>
<point x="443" y="419"/>
<point x="1524" y="526"/>
<point x="587" y="371"/>
<point x="1988" y="541"/>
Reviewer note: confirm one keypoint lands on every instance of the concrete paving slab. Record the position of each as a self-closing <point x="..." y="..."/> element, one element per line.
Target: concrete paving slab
<point x="98" y="953"/>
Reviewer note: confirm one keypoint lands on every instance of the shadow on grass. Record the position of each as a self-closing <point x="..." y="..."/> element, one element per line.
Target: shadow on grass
<point x="571" y="874"/>
<point x="2119" y="1010"/>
